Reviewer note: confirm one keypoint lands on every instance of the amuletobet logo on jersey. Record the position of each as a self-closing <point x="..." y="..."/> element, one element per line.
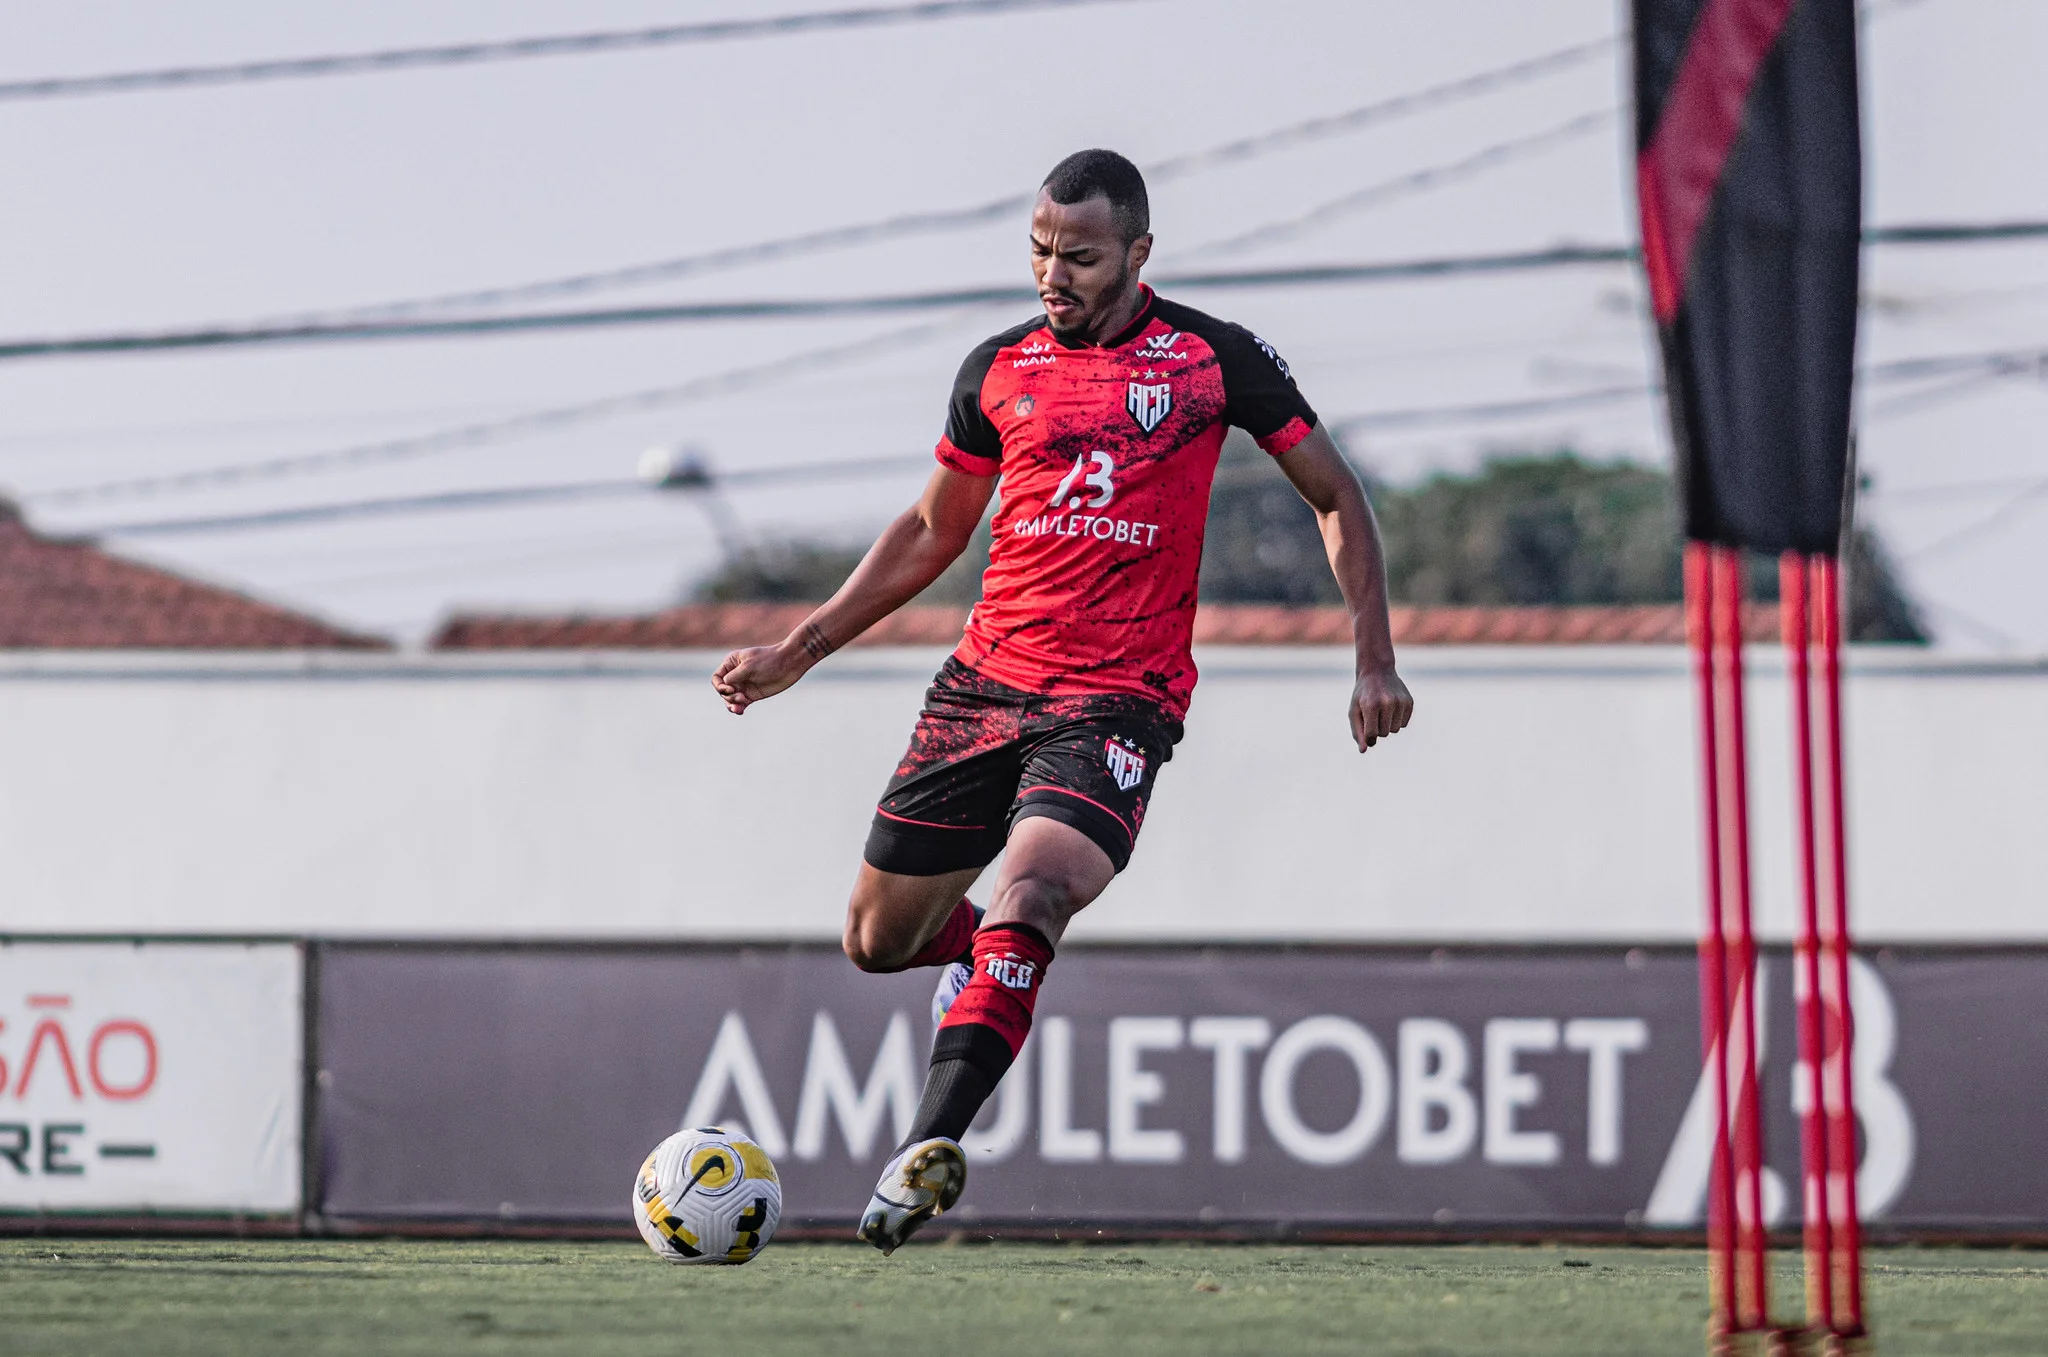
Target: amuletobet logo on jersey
<point x="1126" y="763"/>
<point x="1149" y="403"/>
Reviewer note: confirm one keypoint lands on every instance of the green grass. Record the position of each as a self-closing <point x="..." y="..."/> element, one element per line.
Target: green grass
<point x="365" y="1298"/>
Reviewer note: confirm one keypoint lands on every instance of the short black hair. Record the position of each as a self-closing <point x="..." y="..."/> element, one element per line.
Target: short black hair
<point x="1098" y="173"/>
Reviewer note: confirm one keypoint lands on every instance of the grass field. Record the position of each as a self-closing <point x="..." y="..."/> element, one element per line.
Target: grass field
<point x="374" y="1297"/>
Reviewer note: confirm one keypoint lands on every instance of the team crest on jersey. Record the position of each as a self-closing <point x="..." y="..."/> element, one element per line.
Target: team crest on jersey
<point x="1149" y="403"/>
<point x="1125" y="764"/>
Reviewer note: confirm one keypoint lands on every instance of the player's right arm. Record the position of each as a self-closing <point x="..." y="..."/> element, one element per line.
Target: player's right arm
<point x="908" y="556"/>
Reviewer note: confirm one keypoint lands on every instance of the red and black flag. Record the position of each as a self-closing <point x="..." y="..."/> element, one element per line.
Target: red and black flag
<point x="1749" y="176"/>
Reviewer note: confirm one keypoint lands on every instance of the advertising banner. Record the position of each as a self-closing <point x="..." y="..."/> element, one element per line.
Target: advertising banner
<point x="1263" y="1088"/>
<point x="150" y="1077"/>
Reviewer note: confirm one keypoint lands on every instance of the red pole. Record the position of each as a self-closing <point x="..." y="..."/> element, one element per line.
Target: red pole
<point x="1753" y="1276"/>
<point x="1841" y="1106"/>
<point x="1700" y="616"/>
<point x="1796" y="632"/>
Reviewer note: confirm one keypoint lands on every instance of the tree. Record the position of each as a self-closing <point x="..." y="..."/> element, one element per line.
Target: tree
<point x="1548" y="528"/>
<point x="779" y="572"/>
<point x="1556" y="528"/>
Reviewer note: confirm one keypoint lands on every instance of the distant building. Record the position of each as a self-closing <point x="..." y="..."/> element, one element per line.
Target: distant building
<point x="58" y="594"/>
<point x="712" y="626"/>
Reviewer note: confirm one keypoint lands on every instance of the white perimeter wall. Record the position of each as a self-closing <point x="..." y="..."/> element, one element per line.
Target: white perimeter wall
<point x="1540" y="795"/>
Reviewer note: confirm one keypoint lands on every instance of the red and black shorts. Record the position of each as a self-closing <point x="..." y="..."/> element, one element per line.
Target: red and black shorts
<point x="986" y="755"/>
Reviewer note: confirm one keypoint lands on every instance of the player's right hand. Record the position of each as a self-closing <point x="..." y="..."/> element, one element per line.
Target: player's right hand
<point x="749" y="675"/>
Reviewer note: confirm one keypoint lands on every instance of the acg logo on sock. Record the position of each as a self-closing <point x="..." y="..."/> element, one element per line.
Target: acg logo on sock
<point x="1010" y="972"/>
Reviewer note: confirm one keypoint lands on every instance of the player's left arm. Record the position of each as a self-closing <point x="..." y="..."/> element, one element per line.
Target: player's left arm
<point x="1380" y="704"/>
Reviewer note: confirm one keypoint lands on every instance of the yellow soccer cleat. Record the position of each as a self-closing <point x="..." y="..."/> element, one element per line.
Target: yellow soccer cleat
<point x="922" y="1181"/>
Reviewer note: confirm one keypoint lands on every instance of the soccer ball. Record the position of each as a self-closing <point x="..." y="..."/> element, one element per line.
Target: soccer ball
<point x="707" y="1195"/>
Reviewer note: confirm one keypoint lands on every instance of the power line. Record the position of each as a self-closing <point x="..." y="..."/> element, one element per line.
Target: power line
<point x="1975" y="368"/>
<point x="1951" y="489"/>
<point x="1973" y="531"/>
<point x="37" y="441"/>
<point x="1412" y="417"/>
<point x="1162" y="171"/>
<point x="1235" y="151"/>
<point x="800" y="308"/>
<point x="299" y="515"/>
<point x="1415" y="181"/>
<point x="683" y="313"/>
<point x="1426" y="416"/>
<point x="503" y="496"/>
<point x="487" y="432"/>
<point x="1954" y="233"/>
<point x="516" y="49"/>
<point x="1381" y="110"/>
<point x="517" y="426"/>
<point x="1960" y="387"/>
<point x="498" y="497"/>
<point x="2003" y="362"/>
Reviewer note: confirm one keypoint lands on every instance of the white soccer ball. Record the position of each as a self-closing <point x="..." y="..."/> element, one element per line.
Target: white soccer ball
<point x="707" y="1195"/>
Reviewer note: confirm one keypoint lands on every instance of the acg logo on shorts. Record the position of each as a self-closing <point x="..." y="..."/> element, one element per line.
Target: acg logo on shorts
<point x="1125" y="763"/>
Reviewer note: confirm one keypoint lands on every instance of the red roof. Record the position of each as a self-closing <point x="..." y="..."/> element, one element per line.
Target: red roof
<point x="70" y="595"/>
<point x="719" y="625"/>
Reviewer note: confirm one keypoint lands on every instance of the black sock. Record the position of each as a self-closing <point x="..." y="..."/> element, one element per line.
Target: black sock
<point x="967" y="1063"/>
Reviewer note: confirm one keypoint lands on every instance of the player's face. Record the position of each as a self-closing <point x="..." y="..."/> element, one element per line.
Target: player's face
<point x="1083" y="265"/>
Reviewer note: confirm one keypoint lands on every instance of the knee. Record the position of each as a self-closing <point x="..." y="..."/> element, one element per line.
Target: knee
<point x="866" y="944"/>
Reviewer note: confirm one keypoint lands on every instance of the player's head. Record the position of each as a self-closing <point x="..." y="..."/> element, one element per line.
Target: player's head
<point x="1091" y="231"/>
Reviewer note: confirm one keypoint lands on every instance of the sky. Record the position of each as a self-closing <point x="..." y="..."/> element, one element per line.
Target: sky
<point x="162" y="209"/>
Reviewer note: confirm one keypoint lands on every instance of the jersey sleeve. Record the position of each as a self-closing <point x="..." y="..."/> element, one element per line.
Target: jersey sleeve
<point x="1259" y="393"/>
<point x="971" y="445"/>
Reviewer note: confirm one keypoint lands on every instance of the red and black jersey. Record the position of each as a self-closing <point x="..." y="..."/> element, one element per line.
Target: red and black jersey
<point x="1107" y="453"/>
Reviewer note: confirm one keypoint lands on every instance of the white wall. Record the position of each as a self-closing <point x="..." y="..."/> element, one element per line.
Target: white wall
<point x="1540" y="794"/>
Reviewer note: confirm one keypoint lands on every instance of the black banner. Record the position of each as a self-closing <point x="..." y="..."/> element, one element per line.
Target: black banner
<point x="1268" y="1089"/>
<point x="1749" y="181"/>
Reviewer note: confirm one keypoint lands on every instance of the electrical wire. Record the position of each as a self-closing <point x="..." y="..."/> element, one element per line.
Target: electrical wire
<point x="452" y="500"/>
<point x="799" y="308"/>
<point x="531" y="422"/>
<point x="1233" y="152"/>
<point x="486" y="432"/>
<point x="1942" y="393"/>
<point x="35" y="442"/>
<point x="1949" y="489"/>
<point x="802" y="308"/>
<point x="1415" y="181"/>
<point x="1974" y="532"/>
<point x="447" y="501"/>
<point x="503" y="497"/>
<point x="1428" y="416"/>
<point x="1960" y="233"/>
<point x="2002" y="362"/>
<point x="516" y="49"/>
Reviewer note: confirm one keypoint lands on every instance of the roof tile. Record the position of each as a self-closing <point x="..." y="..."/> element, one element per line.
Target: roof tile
<point x="714" y="626"/>
<point x="66" y="595"/>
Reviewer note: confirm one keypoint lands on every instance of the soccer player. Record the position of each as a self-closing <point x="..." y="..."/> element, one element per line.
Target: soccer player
<point x="1044" y="733"/>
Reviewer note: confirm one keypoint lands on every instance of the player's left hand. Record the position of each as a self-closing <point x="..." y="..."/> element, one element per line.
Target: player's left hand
<point x="1380" y="706"/>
